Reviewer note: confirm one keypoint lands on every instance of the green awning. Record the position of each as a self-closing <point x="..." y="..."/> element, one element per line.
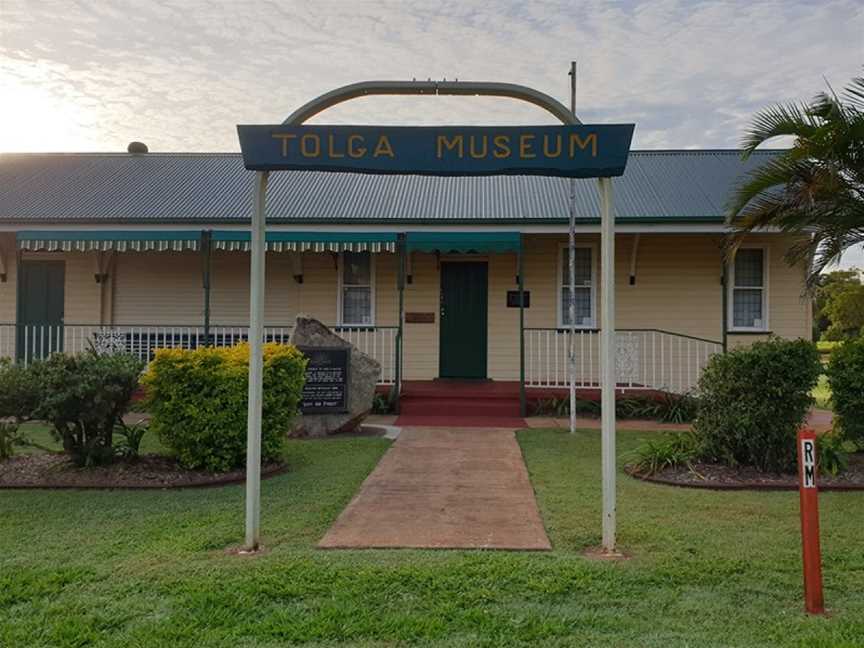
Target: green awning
<point x="464" y="242"/>
<point x="107" y="240"/>
<point x="309" y="241"/>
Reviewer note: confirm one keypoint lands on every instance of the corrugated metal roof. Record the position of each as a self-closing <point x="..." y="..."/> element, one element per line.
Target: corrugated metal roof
<point x="680" y="186"/>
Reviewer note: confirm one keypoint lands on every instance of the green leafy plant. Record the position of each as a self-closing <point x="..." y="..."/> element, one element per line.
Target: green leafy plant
<point x="846" y="377"/>
<point x="678" y="408"/>
<point x="668" y="451"/>
<point x="9" y="438"/>
<point x="381" y="404"/>
<point x="19" y="397"/>
<point x="197" y="399"/>
<point x="128" y="445"/>
<point x="637" y="407"/>
<point x="833" y="453"/>
<point x="754" y="399"/>
<point x="84" y="398"/>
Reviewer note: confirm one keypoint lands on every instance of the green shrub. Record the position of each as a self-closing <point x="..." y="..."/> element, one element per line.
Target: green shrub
<point x="754" y="399"/>
<point x="84" y="398"/>
<point x="198" y="401"/>
<point x="833" y="453"/>
<point x="8" y="439"/>
<point x="846" y="378"/>
<point x="670" y="450"/>
<point x="20" y="391"/>
<point x="19" y="398"/>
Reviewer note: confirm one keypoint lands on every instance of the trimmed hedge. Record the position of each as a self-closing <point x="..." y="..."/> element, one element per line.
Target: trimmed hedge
<point x="754" y="399"/>
<point x="846" y="377"/>
<point x="198" y="399"/>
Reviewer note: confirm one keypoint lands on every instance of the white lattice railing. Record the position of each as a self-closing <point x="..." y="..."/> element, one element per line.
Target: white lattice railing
<point x="645" y="359"/>
<point x="26" y="342"/>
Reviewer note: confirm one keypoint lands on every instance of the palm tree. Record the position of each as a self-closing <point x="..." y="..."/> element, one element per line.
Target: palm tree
<point x="815" y="189"/>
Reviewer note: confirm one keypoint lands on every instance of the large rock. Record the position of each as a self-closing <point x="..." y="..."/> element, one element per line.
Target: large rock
<point x="363" y="375"/>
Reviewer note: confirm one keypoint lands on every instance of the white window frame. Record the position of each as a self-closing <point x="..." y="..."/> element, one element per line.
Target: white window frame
<point x="559" y="302"/>
<point x="730" y="295"/>
<point x="341" y="284"/>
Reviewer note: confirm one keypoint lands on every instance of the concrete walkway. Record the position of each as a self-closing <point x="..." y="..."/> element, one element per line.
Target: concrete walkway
<point x="444" y="488"/>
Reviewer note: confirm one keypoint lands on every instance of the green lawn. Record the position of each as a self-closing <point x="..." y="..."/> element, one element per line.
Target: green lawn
<point x="138" y="569"/>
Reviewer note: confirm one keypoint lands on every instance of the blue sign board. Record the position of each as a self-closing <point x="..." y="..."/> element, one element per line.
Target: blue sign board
<point x="584" y="151"/>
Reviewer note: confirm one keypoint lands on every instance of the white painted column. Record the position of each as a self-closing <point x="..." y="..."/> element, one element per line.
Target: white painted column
<point x="256" y="363"/>
<point x="607" y="360"/>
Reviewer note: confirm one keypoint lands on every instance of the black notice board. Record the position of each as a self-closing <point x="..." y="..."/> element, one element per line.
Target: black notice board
<point x="513" y="298"/>
<point x="326" y="388"/>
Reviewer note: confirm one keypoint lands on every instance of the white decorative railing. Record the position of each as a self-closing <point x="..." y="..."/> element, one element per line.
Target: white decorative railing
<point x="645" y="359"/>
<point x="27" y="342"/>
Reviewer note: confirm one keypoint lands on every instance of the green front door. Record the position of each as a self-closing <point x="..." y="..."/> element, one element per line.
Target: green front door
<point x="40" y="308"/>
<point x="462" y="349"/>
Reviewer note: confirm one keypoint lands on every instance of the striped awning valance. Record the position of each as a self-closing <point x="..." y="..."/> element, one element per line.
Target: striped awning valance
<point x="104" y="241"/>
<point x="308" y="241"/>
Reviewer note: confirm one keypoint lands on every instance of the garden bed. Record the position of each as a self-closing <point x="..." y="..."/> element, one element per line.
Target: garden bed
<point x="719" y="477"/>
<point x="55" y="470"/>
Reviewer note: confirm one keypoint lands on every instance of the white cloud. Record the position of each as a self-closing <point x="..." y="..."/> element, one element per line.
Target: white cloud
<point x="179" y="75"/>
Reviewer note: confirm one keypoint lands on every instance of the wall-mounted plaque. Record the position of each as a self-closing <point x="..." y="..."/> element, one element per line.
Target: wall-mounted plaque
<point x="513" y="298"/>
<point x="420" y="318"/>
<point x="326" y="388"/>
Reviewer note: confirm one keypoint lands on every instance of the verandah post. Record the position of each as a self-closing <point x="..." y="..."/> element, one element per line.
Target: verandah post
<point x="206" y="237"/>
<point x="256" y="364"/>
<point x="400" y="284"/>
<point x="523" y="403"/>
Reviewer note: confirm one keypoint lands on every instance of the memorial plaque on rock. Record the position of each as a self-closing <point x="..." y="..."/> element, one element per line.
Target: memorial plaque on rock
<point x="326" y="388"/>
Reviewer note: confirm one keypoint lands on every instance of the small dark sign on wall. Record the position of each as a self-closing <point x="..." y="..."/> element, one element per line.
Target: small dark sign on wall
<point x="513" y="298"/>
<point x="419" y="318"/>
<point x="326" y="388"/>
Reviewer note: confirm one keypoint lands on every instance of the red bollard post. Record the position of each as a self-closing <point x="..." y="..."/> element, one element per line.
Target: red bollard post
<point x="809" y="495"/>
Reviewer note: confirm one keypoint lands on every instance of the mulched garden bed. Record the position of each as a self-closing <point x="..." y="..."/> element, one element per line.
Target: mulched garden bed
<point x="55" y="470"/>
<point x="719" y="477"/>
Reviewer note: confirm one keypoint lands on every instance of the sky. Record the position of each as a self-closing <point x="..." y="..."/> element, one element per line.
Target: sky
<point x="92" y="75"/>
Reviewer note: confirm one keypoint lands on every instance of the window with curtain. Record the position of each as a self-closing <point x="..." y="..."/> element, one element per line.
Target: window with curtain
<point x="584" y="288"/>
<point x="748" y="289"/>
<point x="356" y="289"/>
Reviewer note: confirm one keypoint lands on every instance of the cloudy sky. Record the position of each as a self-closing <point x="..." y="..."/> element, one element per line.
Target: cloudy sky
<point x="91" y="75"/>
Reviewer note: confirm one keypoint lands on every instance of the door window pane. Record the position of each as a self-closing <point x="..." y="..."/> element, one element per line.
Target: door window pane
<point x="584" y="287"/>
<point x="356" y="305"/>
<point x="748" y="290"/>
<point x="356" y="288"/>
<point x="747" y="308"/>
<point x="583" y="306"/>
<point x="582" y="259"/>
<point x="356" y="269"/>
<point x="749" y="272"/>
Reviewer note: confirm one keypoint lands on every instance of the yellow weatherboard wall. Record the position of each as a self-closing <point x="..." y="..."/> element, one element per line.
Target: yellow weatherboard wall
<point x="677" y="289"/>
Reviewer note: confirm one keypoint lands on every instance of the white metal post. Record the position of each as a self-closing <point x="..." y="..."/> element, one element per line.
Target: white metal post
<point x="607" y="361"/>
<point x="571" y="273"/>
<point x="256" y="364"/>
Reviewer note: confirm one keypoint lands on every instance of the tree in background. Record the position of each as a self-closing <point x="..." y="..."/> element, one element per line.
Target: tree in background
<point x="816" y="188"/>
<point x="828" y="288"/>
<point x="845" y="311"/>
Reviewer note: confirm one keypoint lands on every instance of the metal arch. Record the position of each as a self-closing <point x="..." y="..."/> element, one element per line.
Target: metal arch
<point x="492" y="89"/>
